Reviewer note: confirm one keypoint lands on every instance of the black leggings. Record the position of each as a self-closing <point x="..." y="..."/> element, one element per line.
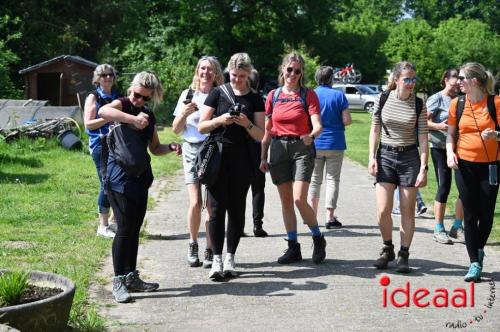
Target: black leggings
<point x="228" y="194"/>
<point x="129" y="214"/>
<point x="443" y="174"/>
<point x="258" y="193"/>
<point x="479" y="199"/>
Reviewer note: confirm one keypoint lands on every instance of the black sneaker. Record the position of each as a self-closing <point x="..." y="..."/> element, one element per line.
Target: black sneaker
<point x="402" y="262"/>
<point x="135" y="284"/>
<point x="333" y="224"/>
<point x="386" y="255"/>
<point x="292" y="254"/>
<point x="319" y="252"/>
<point x="258" y="231"/>
<point x="192" y="256"/>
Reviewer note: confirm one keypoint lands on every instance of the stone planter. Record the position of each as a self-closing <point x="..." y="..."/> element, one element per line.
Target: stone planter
<point x="50" y="314"/>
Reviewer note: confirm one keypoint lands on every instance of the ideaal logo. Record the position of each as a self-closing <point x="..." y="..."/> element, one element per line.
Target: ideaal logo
<point x="437" y="298"/>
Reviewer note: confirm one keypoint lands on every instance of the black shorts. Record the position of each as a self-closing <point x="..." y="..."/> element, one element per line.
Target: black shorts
<point x="398" y="167"/>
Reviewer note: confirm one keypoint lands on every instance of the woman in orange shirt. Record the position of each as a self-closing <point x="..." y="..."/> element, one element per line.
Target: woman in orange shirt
<point x="475" y="158"/>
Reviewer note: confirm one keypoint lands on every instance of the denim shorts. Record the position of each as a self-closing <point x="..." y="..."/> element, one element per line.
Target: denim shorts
<point x="398" y="167"/>
<point x="189" y="151"/>
<point x="290" y="160"/>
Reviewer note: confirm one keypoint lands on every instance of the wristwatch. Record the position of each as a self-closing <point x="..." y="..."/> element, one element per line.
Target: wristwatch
<point x="497" y="133"/>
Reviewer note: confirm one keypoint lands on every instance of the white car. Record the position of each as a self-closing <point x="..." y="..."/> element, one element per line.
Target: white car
<point x="359" y="97"/>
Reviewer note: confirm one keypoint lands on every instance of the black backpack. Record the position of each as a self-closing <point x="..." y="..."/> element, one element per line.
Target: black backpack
<point x="491" y="110"/>
<point x="383" y="98"/>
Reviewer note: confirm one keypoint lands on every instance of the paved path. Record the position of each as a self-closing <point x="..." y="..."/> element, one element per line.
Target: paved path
<point x="344" y="293"/>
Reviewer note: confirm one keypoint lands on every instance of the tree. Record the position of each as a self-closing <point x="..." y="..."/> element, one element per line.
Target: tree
<point x="7" y="59"/>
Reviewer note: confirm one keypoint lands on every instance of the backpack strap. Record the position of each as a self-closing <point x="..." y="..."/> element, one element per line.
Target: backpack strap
<point x="228" y="91"/>
<point x="383" y="98"/>
<point x="493" y="110"/>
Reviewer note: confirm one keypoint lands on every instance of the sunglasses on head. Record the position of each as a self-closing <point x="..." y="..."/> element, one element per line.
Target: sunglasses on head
<point x="208" y="57"/>
<point x="296" y="71"/>
<point x="408" y="80"/>
<point x="110" y="75"/>
<point x="139" y="96"/>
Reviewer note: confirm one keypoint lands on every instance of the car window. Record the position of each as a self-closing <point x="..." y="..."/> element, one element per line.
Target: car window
<point x="366" y="90"/>
<point x="351" y="90"/>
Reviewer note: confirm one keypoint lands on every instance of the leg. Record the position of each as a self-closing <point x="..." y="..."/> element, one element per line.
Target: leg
<point x="300" y="189"/>
<point x="333" y="169"/>
<point x="194" y="210"/>
<point x="316" y="181"/>
<point x="384" y="193"/>
<point x="285" y="191"/>
<point x="407" y="206"/>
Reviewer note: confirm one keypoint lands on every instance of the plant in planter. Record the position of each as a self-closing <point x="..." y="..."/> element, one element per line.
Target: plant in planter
<point x="35" y="301"/>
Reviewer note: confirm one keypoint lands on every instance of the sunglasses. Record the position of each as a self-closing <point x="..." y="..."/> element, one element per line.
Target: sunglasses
<point x="139" y="96"/>
<point x="408" y="80"/>
<point x="296" y="71"/>
<point x="110" y="75"/>
<point x="461" y="78"/>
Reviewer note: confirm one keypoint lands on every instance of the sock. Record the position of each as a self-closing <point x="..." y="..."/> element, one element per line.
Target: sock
<point x="315" y="230"/>
<point x="457" y="224"/>
<point x="388" y="243"/>
<point x="438" y="228"/>
<point x="291" y="236"/>
<point x="403" y="248"/>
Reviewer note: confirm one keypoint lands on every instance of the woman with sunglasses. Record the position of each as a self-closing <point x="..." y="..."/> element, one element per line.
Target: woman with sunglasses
<point x="293" y="122"/>
<point x="474" y="157"/>
<point x="397" y="161"/>
<point x="437" y="121"/>
<point x="97" y="127"/>
<point x="207" y="74"/>
<point x="128" y="194"/>
<point x="235" y="115"/>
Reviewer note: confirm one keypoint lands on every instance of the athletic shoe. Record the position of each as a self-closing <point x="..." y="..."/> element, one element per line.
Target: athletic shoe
<point x="386" y="255"/>
<point x="120" y="291"/>
<point x="105" y="232"/>
<point x="442" y="237"/>
<point x="136" y="284"/>
<point x="113" y="227"/>
<point x="396" y="212"/>
<point x="192" y="256"/>
<point x="319" y="252"/>
<point x="333" y="224"/>
<point x="258" y="231"/>
<point x="402" y="262"/>
<point x="216" y="272"/>
<point x="292" y="254"/>
<point x="457" y="234"/>
<point x="209" y="257"/>
<point x="421" y="209"/>
<point x="474" y="273"/>
<point x="229" y="270"/>
<point x="480" y="257"/>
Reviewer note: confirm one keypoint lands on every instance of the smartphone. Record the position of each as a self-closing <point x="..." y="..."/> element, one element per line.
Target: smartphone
<point x="187" y="101"/>
<point x="234" y="113"/>
<point x="492" y="174"/>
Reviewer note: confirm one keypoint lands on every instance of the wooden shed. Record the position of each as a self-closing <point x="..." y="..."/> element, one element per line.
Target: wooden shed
<point x="62" y="80"/>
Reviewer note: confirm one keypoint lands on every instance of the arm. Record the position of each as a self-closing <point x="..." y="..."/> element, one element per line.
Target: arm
<point x="90" y="112"/>
<point x="346" y="117"/>
<point x="207" y="124"/>
<point x="113" y="112"/>
<point x="315" y="132"/>
<point x="182" y="111"/>
<point x="435" y="126"/>
<point x="256" y="131"/>
<point x="424" y="155"/>
<point x="159" y="149"/>
<point x="451" y="157"/>
<point x="266" y="141"/>
<point x="372" y="149"/>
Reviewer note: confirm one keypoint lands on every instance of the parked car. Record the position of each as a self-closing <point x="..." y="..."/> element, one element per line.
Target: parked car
<point x="375" y="87"/>
<point x="359" y="96"/>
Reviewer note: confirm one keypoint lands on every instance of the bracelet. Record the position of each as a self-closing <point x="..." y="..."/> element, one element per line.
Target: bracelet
<point x="250" y="126"/>
<point x="170" y="147"/>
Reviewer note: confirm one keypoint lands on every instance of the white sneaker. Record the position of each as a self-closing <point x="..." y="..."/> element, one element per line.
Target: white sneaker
<point x="216" y="271"/>
<point x="104" y="232"/>
<point x="229" y="269"/>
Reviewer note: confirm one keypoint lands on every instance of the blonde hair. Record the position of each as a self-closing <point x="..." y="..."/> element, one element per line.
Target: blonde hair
<point x="484" y="77"/>
<point x="240" y="61"/>
<point x="292" y="57"/>
<point x="101" y="69"/>
<point x="396" y="73"/>
<point x="214" y="63"/>
<point x="148" y="80"/>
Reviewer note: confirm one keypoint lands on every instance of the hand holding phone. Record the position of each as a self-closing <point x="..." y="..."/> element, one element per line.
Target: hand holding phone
<point x="187" y="101"/>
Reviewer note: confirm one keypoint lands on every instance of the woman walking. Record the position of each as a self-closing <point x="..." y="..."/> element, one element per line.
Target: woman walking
<point x="472" y="151"/>
<point x="207" y="74"/>
<point x="128" y="194"/>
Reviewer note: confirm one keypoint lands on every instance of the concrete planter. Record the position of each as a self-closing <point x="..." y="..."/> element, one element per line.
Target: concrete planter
<point x="50" y="314"/>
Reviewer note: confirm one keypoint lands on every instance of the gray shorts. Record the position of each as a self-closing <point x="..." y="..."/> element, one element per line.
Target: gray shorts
<point x="290" y="160"/>
<point x="189" y="151"/>
<point x="398" y="167"/>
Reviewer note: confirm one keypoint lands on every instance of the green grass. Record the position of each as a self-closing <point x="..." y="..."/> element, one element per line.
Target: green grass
<point x="12" y="286"/>
<point x="357" y="149"/>
<point x="48" y="214"/>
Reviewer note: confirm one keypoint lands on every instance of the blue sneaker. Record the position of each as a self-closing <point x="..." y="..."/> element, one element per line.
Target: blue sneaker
<point x="474" y="273"/>
<point x="480" y="257"/>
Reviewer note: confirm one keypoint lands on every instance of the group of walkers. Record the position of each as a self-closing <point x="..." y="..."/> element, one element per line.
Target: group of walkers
<point x="297" y="135"/>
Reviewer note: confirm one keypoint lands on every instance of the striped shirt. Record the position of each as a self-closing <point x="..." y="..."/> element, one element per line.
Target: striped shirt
<point x="399" y="117"/>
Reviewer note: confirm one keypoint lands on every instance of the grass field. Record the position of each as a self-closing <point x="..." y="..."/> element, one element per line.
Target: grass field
<point x="48" y="214"/>
<point x="357" y="150"/>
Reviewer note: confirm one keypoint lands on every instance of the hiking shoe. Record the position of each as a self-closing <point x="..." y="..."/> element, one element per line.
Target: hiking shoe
<point x="104" y="231"/>
<point x="421" y="209"/>
<point x="216" y="273"/>
<point x="258" y="231"/>
<point x="135" y="284"/>
<point x="386" y="255"/>
<point x="319" y="252"/>
<point x="402" y="262"/>
<point x="209" y="257"/>
<point x="120" y="291"/>
<point x="192" y="256"/>
<point x="474" y="273"/>
<point x="292" y="254"/>
<point x="457" y="234"/>
<point x="396" y="211"/>
<point x="113" y="227"/>
<point x="480" y="257"/>
<point x="229" y="269"/>
<point x="442" y="237"/>
<point x="332" y="224"/>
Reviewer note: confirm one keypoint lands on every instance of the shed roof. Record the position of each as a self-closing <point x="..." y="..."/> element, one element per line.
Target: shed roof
<point x="72" y="58"/>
